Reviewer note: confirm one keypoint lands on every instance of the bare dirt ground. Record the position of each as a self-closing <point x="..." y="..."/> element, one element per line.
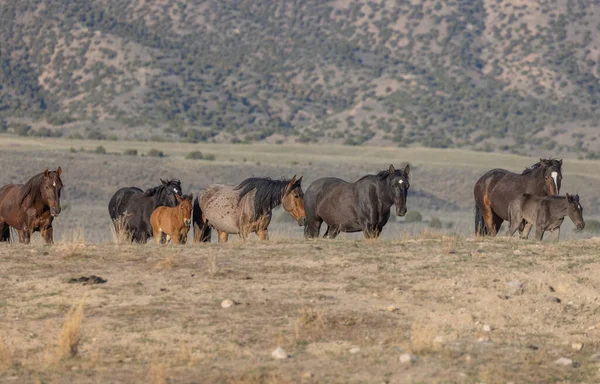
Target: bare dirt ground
<point x="344" y="310"/>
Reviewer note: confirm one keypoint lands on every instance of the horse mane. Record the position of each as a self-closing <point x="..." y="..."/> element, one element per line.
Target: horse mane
<point x="32" y="187"/>
<point x="553" y="162"/>
<point x="269" y="193"/>
<point x="159" y="189"/>
<point x="383" y="175"/>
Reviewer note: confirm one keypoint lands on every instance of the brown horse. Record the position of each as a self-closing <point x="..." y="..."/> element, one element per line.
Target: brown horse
<point x="495" y="190"/>
<point x="31" y="206"/>
<point x="546" y="213"/>
<point x="246" y="208"/>
<point x="174" y="222"/>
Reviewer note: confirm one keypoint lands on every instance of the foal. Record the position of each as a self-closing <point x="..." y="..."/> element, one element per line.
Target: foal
<point x="173" y="222"/>
<point x="547" y="213"/>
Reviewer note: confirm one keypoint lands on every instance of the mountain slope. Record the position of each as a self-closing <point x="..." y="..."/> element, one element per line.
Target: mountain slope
<point x="488" y="74"/>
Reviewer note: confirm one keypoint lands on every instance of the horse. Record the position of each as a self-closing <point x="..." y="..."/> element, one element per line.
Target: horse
<point x="130" y="208"/>
<point x="495" y="190"/>
<point x="547" y="213"/>
<point x="31" y="207"/>
<point x="174" y="222"/>
<point x="354" y="207"/>
<point x="245" y="208"/>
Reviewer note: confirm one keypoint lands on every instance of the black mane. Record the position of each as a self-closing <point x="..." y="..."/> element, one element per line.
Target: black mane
<point x="269" y="193"/>
<point x="383" y="175"/>
<point x="33" y="187"/>
<point x="551" y="161"/>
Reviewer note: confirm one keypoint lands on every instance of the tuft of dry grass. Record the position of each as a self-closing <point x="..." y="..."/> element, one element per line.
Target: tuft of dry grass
<point x="73" y="243"/>
<point x="120" y="230"/>
<point x="5" y="355"/>
<point x="421" y="339"/>
<point x="212" y="266"/>
<point x="309" y="320"/>
<point x="166" y="264"/>
<point x="69" y="336"/>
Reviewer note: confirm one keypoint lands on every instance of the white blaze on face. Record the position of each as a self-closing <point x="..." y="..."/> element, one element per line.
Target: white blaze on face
<point x="400" y="182"/>
<point x="554" y="176"/>
<point x="175" y="189"/>
<point x="54" y="183"/>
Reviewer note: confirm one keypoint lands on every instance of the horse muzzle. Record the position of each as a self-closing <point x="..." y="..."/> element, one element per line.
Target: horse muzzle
<point x="401" y="212"/>
<point x="187" y="222"/>
<point x="301" y="221"/>
<point x="54" y="211"/>
<point x="580" y="226"/>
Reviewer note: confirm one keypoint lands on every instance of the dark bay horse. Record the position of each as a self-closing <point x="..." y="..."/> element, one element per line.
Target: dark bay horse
<point x="546" y="213"/>
<point x="353" y="207"/>
<point x="495" y="190"/>
<point x="31" y="207"/>
<point x="130" y="208"/>
<point x="246" y="208"/>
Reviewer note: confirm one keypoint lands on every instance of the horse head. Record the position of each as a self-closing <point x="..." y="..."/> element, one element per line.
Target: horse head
<point x="168" y="192"/>
<point x="50" y="187"/>
<point x="293" y="200"/>
<point x="399" y="183"/>
<point x="552" y="175"/>
<point x="185" y="206"/>
<point x="575" y="211"/>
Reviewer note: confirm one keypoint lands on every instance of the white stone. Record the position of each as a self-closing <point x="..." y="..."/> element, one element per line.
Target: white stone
<point x="487" y="328"/>
<point x="577" y="346"/>
<point x="227" y="303"/>
<point x="280" y="354"/>
<point x="407" y="358"/>
<point x="354" y="350"/>
<point x="564" y="362"/>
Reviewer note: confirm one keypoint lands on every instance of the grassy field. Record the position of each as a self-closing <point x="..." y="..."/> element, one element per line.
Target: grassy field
<point x="459" y="308"/>
<point x="465" y="309"/>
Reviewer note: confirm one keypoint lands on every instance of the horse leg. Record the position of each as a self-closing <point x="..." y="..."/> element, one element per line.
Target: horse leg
<point x="371" y="233"/>
<point x="539" y="233"/>
<point x="488" y="216"/>
<point x="496" y="223"/>
<point x="158" y="236"/>
<point x="263" y="234"/>
<point x="4" y="232"/>
<point x="526" y="230"/>
<point x="47" y="234"/>
<point x="332" y="231"/>
<point x="175" y="239"/>
<point x="556" y="234"/>
<point x="312" y="228"/>
<point x="24" y="236"/>
<point x="223" y="236"/>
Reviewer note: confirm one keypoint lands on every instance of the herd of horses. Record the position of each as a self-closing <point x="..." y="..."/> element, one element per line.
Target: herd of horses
<point x="164" y="213"/>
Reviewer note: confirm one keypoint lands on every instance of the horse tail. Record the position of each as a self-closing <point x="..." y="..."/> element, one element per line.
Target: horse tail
<point x="202" y="230"/>
<point x="480" y="227"/>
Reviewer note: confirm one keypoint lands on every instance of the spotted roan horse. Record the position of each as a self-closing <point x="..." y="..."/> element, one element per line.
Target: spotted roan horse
<point x="130" y="208"/>
<point x="245" y="208"/>
<point x="354" y="207"/>
<point x="31" y="207"/>
<point x="495" y="190"/>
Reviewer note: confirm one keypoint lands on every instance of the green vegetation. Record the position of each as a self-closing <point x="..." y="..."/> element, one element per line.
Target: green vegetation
<point x="155" y="153"/>
<point x="435" y="222"/>
<point x="130" y="152"/>
<point x="100" y="150"/>
<point x="402" y="72"/>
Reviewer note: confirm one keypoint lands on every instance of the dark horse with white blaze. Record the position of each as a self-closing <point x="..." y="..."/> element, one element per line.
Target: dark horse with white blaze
<point x="130" y="208"/>
<point x="31" y="207"/>
<point x="495" y="190"/>
<point x="353" y="207"/>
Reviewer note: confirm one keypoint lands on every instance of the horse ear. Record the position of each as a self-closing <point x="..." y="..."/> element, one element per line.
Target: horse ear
<point x="392" y="169"/>
<point x="569" y="198"/>
<point x="560" y="162"/>
<point x="299" y="181"/>
<point x="59" y="171"/>
<point x="164" y="182"/>
<point x="407" y="169"/>
<point x="46" y="172"/>
<point x="178" y="198"/>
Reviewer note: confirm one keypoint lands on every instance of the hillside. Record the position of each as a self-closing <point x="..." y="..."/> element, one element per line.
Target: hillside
<point x="485" y="74"/>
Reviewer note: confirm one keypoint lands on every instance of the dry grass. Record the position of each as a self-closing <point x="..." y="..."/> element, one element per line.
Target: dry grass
<point x="73" y="243"/>
<point x="120" y="231"/>
<point x="167" y="263"/>
<point x="212" y="266"/>
<point x="317" y="300"/>
<point x="69" y="336"/>
<point x="5" y="355"/>
<point x="421" y="338"/>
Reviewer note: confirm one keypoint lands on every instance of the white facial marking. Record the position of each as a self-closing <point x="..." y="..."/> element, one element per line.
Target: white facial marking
<point x="54" y="183"/>
<point x="554" y="176"/>
<point x="175" y="189"/>
<point x="400" y="182"/>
